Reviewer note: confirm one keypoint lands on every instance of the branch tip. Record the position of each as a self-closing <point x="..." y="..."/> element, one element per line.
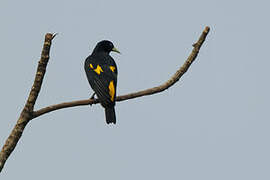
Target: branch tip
<point x="55" y="34"/>
<point x="207" y="29"/>
<point x="48" y="36"/>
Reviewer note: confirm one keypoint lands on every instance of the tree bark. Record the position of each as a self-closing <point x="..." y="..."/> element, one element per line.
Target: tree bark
<point x="27" y="112"/>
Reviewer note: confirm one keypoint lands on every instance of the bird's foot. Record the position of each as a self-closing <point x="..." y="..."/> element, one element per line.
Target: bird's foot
<point x="92" y="97"/>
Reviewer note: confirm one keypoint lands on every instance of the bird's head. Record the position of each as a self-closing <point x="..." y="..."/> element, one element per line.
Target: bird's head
<point x="105" y="46"/>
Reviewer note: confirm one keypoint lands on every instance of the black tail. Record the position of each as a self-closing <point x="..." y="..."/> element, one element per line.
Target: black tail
<point x="110" y="115"/>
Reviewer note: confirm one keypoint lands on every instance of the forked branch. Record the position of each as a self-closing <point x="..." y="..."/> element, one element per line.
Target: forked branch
<point x="28" y="113"/>
<point x="146" y="92"/>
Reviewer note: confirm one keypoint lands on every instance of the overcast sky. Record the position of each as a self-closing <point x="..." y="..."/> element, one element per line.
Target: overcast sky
<point x="213" y="124"/>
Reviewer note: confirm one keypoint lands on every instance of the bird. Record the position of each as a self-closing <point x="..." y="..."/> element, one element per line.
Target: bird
<point x="101" y="72"/>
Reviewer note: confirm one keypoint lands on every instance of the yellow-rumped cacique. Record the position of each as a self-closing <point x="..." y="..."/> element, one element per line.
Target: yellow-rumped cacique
<point x="101" y="72"/>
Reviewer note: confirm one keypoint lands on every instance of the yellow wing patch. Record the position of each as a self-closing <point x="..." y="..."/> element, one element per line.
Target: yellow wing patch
<point x="111" y="90"/>
<point x="98" y="70"/>
<point x="112" y="68"/>
<point x="91" y="66"/>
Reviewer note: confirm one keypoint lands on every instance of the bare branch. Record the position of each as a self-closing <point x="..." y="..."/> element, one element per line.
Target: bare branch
<point x="179" y="73"/>
<point x="28" y="114"/>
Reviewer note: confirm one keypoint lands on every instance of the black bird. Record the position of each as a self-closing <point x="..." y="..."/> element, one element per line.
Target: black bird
<point x="101" y="72"/>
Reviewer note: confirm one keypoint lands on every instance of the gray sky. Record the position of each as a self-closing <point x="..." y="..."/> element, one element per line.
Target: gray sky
<point x="213" y="124"/>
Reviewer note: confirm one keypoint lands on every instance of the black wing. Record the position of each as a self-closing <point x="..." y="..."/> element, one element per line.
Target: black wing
<point x="103" y="80"/>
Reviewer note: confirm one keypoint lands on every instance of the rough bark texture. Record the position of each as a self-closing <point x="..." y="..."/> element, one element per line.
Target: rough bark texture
<point x="28" y="112"/>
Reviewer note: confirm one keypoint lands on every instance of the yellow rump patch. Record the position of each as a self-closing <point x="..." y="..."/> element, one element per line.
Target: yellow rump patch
<point x="98" y="70"/>
<point x="111" y="90"/>
<point x="112" y="68"/>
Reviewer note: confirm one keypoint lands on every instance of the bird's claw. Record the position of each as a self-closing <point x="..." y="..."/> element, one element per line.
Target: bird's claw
<point x="92" y="98"/>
